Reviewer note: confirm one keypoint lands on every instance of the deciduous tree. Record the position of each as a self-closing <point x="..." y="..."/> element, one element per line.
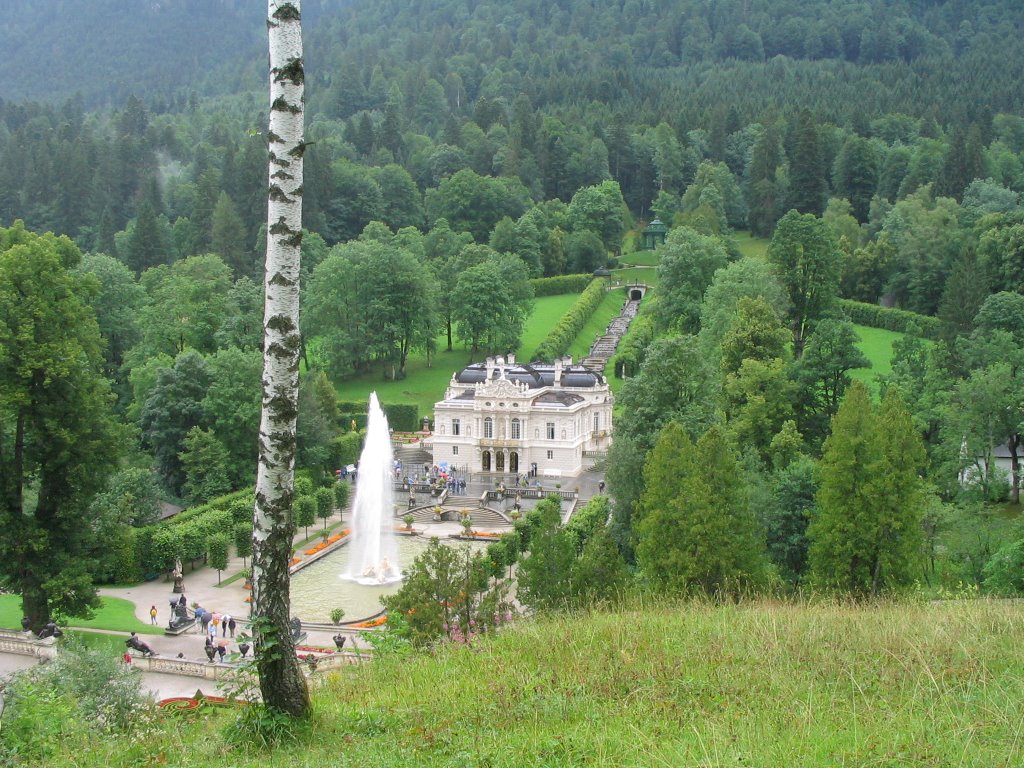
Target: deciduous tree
<point x="58" y="441"/>
<point x="281" y="682"/>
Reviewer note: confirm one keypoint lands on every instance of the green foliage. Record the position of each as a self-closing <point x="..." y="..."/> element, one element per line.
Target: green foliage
<point x="866" y="538"/>
<point x="81" y="695"/>
<point x="785" y="518"/>
<point x="58" y="440"/>
<point x="695" y="530"/>
<point x="204" y="462"/>
<point x="807" y="261"/>
<point x="304" y="510"/>
<point x="324" y="498"/>
<point x="564" y="333"/>
<point x="403" y="417"/>
<point x="218" y="548"/>
<point x="688" y="264"/>
<point x="341" y="494"/>
<point x="446" y="592"/>
<point x="243" y="539"/>
<point x="559" y="284"/>
<point x="1004" y="573"/>
<point x="545" y="579"/>
<point x="890" y="318"/>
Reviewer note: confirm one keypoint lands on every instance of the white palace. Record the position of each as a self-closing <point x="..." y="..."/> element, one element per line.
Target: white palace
<point x="536" y="418"/>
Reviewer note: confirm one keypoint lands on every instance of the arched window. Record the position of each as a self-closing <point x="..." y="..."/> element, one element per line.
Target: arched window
<point x="488" y="427"/>
<point x="515" y="429"/>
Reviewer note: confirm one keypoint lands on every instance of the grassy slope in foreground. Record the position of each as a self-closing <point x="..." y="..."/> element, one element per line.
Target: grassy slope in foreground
<point x="758" y="684"/>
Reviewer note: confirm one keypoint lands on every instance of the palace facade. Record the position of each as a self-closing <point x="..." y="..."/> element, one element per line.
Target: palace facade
<point x="538" y="418"/>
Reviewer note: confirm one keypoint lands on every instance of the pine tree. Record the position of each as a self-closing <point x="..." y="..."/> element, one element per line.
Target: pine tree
<point x="807" y="174"/>
<point x="227" y="237"/>
<point x="762" y="189"/>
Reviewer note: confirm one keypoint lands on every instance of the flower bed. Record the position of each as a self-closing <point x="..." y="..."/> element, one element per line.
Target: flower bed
<point x="324" y="544"/>
<point x="182" y="704"/>
<point x="378" y="622"/>
<point x="296" y="560"/>
<point x="315" y="649"/>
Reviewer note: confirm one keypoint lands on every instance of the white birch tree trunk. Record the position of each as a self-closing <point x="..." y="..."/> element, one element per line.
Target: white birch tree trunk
<point x="281" y="681"/>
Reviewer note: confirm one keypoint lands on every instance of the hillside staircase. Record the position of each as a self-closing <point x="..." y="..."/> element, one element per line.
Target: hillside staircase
<point x="605" y="345"/>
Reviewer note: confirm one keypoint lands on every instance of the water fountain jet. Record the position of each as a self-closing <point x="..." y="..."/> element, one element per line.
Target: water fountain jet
<point x="374" y="558"/>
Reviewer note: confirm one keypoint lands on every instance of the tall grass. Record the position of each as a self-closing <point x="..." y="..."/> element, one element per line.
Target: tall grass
<point x="665" y="684"/>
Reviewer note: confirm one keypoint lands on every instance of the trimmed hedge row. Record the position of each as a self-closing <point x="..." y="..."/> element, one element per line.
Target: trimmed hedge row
<point x="403" y="417"/>
<point x="891" y="319"/>
<point x="568" y="328"/>
<point x="185" y="535"/>
<point x="633" y="346"/>
<point x="560" y="284"/>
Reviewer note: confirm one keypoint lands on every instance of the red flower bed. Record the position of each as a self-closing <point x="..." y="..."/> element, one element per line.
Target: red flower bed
<point x="379" y="621"/>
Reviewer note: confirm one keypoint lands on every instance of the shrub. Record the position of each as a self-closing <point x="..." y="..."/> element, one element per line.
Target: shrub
<point x="560" y="284"/>
<point x="569" y="326"/>
<point x="81" y="695"/>
<point x="403" y="417"/>
<point x="891" y="319"/>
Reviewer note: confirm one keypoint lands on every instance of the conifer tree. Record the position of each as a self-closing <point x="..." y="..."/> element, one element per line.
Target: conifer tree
<point x="866" y="535"/>
<point x="695" y="529"/>
<point x="807" y="174"/>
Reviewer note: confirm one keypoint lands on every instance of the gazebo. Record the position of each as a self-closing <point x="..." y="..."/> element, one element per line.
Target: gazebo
<point x="654" y="234"/>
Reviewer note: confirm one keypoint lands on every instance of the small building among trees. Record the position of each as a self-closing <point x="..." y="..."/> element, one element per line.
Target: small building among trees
<point x="654" y="234"/>
<point x="537" y="419"/>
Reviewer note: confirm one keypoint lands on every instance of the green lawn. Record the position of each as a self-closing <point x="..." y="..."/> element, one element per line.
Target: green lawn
<point x="749" y="245"/>
<point x="876" y="344"/>
<point x="425" y="386"/>
<point x="114" y="613"/>
<point x="640" y="258"/>
<point x="648" y="275"/>
<point x="609" y="308"/>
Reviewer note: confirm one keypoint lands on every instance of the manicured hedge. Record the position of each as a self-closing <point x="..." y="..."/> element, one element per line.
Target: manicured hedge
<point x="568" y="328"/>
<point x="633" y="346"/>
<point x="560" y="284"/>
<point x="402" y="417"/>
<point x="187" y="534"/>
<point x="891" y="319"/>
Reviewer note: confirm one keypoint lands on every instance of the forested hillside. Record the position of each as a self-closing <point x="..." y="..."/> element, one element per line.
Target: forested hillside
<point x="462" y="151"/>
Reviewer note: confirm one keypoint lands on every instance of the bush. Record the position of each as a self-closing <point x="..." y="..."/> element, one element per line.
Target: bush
<point x="560" y="284"/>
<point x="891" y="319"/>
<point x="633" y="347"/>
<point x="568" y="328"/>
<point x="1004" y="573"/>
<point x="79" y="696"/>
<point x="346" y="419"/>
<point x="403" y="417"/>
<point x="345" y="449"/>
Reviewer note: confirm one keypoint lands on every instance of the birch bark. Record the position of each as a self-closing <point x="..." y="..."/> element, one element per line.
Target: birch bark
<point x="282" y="684"/>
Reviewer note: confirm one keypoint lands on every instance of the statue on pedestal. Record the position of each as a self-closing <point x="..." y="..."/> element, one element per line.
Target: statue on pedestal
<point x="179" y="577"/>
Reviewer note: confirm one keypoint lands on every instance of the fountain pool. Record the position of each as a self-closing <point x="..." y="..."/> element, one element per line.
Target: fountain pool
<point x="321" y="586"/>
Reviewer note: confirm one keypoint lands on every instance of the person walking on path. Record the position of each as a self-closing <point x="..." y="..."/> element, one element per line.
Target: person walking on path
<point x="224" y="624"/>
<point x="231" y="626"/>
<point x="152" y="615"/>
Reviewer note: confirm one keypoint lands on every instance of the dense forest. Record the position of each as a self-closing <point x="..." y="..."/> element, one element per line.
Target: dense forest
<point x="459" y="152"/>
